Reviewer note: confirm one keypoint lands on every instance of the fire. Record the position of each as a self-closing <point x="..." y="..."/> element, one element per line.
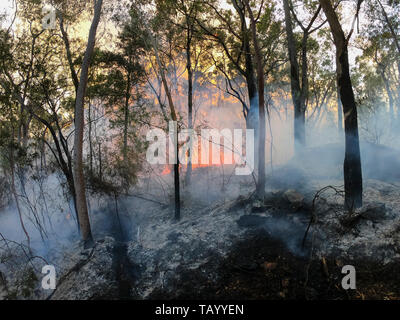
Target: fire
<point x="167" y="168"/>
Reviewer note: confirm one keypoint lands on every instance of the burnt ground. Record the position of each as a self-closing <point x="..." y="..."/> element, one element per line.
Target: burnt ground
<point x="262" y="268"/>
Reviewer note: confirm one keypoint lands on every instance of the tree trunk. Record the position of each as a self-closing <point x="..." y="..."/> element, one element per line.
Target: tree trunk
<point x="190" y="95"/>
<point x="126" y="119"/>
<point x="14" y="191"/>
<point x="339" y="102"/>
<point x="297" y="97"/>
<point x="175" y="119"/>
<point x="90" y="139"/>
<point x="261" y="107"/>
<point x="79" y="180"/>
<point x="252" y="115"/>
<point x="339" y="113"/>
<point x="389" y="93"/>
<point x="352" y="161"/>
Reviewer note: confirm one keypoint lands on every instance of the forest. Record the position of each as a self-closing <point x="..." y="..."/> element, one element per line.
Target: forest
<point x="200" y="149"/>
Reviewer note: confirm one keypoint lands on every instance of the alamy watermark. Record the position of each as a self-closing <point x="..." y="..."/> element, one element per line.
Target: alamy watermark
<point x="49" y="17"/>
<point x="49" y="280"/>
<point x="205" y="149"/>
<point x="349" y="280"/>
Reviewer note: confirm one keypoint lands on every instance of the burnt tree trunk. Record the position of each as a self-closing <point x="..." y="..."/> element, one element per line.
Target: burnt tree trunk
<point x="248" y="72"/>
<point x="352" y="161"/>
<point x="261" y="107"/>
<point x="339" y="102"/>
<point x="339" y="113"/>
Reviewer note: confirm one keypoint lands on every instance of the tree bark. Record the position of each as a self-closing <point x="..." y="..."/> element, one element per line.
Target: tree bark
<point x="339" y="113"/>
<point x="260" y="190"/>
<point x="126" y="118"/>
<point x="79" y="180"/>
<point x="339" y="102"/>
<point x="352" y="161"/>
<point x="175" y="119"/>
<point x="251" y="120"/>
<point x="297" y="96"/>
<point x="190" y="92"/>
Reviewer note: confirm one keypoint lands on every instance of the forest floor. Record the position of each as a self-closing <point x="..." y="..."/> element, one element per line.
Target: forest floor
<point x="263" y="268"/>
<point x="229" y="245"/>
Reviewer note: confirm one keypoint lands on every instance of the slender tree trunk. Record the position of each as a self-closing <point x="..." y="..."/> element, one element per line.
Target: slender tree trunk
<point x="352" y="161"/>
<point x="126" y="119"/>
<point x="175" y="119"/>
<point x="340" y="113"/>
<point x="190" y="95"/>
<point x="297" y="97"/>
<point x="14" y="192"/>
<point x="301" y="123"/>
<point x="260" y="190"/>
<point x="90" y="138"/>
<point x="389" y="93"/>
<point x="252" y="115"/>
<point x="100" y="162"/>
<point x="79" y="180"/>
<point x="397" y="113"/>
<point x="339" y="102"/>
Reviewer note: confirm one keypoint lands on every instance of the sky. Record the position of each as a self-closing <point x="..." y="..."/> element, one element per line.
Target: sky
<point x="7" y="7"/>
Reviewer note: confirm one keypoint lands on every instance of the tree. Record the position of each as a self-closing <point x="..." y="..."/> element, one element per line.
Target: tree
<point x="299" y="88"/>
<point x="352" y="160"/>
<point x="79" y="180"/>
<point x="261" y="106"/>
<point x="151" y="43"/>
<point x="30" y="64"/>
<point x="180" y="19"/>
<point x="234" y="40"/>
<point x="116" y="83"/>
<point x="381" y="44"/>
<point x="176" y="131"/>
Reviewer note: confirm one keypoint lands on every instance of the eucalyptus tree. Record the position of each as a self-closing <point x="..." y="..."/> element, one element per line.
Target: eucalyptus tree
<point x="235" y="57"/>
<point x="181" y="16"/>
<point x="117" y="80"/>
<point x="261" y="104"/>
<point x="158" y="40"/>
<point x="299" y="77"/>
<point x="32" y="71"/>
<point x="352" y="162"/>
<point x="381" y="32"/>
<point x="377" y="49"/>
<point x="32" y="75"/>
<point x="231" y="32"/>
<point x="79" y="180"/>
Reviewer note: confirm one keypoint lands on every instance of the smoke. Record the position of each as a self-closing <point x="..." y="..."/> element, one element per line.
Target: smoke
<point x="46" y="214"/>
<point x="321" y="159"/>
